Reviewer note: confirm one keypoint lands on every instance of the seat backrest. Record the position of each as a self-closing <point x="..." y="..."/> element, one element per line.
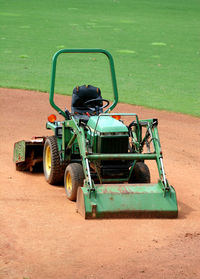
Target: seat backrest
<point x="82" y="94"/>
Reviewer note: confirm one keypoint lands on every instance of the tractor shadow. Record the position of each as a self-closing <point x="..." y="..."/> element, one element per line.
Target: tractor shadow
<point x="184" y="210"/>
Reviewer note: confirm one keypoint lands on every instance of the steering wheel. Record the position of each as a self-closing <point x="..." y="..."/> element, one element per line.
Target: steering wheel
<point x="93" y="104"/>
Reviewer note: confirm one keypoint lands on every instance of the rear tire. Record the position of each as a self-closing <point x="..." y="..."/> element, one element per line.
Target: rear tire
<point x="53" y="170"/>
<point x="73" y="179"/>
<point x="140" y="174"/>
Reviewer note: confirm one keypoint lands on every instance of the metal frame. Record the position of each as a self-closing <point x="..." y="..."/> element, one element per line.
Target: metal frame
<point x="82" y="50"/>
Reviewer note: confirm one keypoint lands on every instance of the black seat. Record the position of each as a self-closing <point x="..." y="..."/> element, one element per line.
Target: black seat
<point x="83" y="94"/>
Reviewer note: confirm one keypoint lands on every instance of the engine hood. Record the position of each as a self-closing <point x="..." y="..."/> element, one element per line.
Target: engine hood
<point x="107" y="124"/>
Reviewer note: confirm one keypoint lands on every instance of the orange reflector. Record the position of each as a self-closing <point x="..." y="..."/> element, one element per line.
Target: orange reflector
<point x="117" y="117"/>
<point x="52" y="118"/>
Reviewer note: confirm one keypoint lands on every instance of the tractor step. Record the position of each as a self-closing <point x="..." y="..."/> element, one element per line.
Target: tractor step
<point x="127" y="200"/>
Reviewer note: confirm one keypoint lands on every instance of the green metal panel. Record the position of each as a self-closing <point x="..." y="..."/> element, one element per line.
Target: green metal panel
<point x="51" y="126"/>
<point x="19" y="154"/>
<point x="66" y="137"/>
<point x="127" y="200"/>
<point x="105" y="124"/>
<point x="82" y="50"/>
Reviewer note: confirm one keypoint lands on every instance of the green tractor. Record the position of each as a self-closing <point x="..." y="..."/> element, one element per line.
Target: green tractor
<point x="100" y="158"/>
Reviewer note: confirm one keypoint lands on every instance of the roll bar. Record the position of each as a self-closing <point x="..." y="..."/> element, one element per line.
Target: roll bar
<point x="82" y="50"/>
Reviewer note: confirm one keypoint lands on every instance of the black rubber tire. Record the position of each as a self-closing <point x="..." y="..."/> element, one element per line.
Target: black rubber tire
<point x="54" y="174"/>
<point x="73" y="178"/>
<point x="140" y="174"/>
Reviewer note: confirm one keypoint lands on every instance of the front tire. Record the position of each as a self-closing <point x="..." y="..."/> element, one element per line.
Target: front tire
<point x="53" y="170"/>
<point x="73" y="179"/>
<point x="140" y="174"/>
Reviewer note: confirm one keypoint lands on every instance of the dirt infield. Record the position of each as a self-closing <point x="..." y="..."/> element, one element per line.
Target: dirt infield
<point x="41" y="235"/>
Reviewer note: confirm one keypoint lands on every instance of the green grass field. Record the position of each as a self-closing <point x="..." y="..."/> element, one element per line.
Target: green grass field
<point x="155" y="45"/>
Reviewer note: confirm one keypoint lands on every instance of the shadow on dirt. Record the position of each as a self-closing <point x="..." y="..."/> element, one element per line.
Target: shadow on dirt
<point x="184" y="210"/>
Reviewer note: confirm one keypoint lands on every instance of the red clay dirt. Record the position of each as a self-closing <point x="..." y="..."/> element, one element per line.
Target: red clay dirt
<point x="42" y="236"/>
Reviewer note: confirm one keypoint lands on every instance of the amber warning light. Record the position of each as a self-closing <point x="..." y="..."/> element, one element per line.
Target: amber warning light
<point x="117" y="117"/>
<point x="52" y="118"/>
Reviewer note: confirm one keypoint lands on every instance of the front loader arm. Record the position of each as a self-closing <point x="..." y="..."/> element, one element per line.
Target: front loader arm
<point x="79" y="134"/>
<point x="151" y="135"/>
<point x="159" y="159"/>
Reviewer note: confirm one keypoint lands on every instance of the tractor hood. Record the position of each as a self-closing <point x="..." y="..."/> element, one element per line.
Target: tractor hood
<point x="107" y="124"/>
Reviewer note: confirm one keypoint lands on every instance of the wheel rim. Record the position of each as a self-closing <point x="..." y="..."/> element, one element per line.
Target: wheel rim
<point x="48" y="160"/>
<point x="68" y="183"/>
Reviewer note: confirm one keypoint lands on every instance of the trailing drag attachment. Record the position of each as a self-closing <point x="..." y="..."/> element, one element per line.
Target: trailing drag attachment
<point x="28" y="154"/>
<point x="102" y="160"/>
